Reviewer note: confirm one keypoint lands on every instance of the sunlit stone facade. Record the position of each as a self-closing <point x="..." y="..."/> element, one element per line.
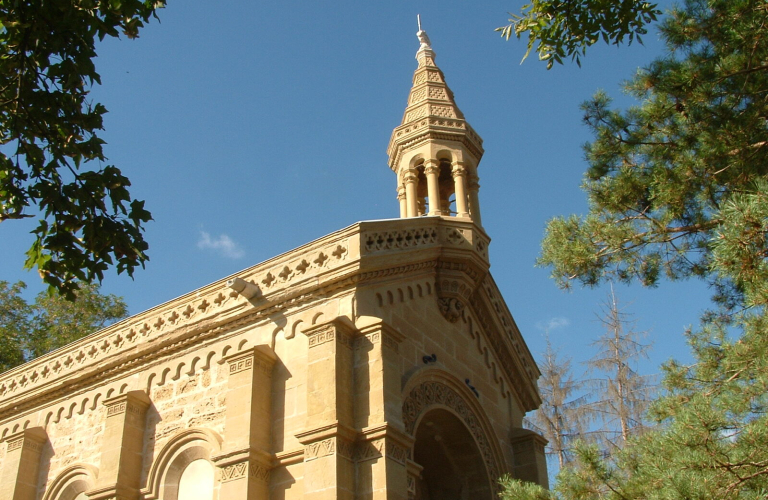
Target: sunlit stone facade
<point x="379" y="361"/>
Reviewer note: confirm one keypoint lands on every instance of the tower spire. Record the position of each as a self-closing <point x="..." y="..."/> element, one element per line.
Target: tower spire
<point x="434" y="151"/>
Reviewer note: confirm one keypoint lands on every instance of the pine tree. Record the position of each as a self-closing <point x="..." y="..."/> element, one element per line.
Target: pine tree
<point x="678" y="187"/>
<point x="624" y="395"/>
<point x="563" y="415"/>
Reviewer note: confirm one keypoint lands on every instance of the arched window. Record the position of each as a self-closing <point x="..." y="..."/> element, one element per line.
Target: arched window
<point x="183" y="469"/>
<point x="72" y="483"/>
<point x="196" y="482"/>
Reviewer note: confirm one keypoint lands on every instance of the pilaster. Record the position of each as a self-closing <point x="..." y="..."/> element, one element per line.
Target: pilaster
<point x="381" y="453"/>
<point x="530" y="462"/>
<point x="329" y="470"/>
<point x="21" y="464"/>
<point x="122" y="448"/>
<point x="246" y="461"/>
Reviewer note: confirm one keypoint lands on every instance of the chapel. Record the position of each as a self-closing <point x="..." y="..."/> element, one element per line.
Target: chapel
<point x="377" y="362"/>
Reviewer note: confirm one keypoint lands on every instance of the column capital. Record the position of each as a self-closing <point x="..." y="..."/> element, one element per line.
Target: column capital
<point x="400" y="192"/>
<point x="379" y="332"/>
<point x="259" y="357"/>
<point x="431" y="166"/>
<point x="133" y="402"/>
<point x="410" y="175"/>
<point x="458" y="169"/>
<point x="32" y="438"/>
<point x="335" y="330"/>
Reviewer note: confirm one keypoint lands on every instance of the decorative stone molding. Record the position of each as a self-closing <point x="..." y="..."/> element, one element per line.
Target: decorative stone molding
<point x="183" y="448"/>
<point x="234" y="471"/>
<point x="329" y="332"/>
<point x="508" y="345"/>
<point x="72" y="481"/>
<point x="319" y="449"/>
<point x="259" y="358"/>
<point x="246" y="462"/>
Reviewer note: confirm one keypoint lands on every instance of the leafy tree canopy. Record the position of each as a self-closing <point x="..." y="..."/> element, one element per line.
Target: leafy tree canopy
<point x="48" y="138"/>
<point x="559" y="29"/>
<point x="678" y="188"/>
<point x="29" y="330"/>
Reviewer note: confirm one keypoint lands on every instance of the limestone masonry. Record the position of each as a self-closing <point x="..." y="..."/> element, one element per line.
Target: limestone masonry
<point x="379" y="361"/>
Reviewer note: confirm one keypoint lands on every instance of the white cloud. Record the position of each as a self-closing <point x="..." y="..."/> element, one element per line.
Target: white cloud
<point x="223" y="244"/>
<point x="553" y="324"/>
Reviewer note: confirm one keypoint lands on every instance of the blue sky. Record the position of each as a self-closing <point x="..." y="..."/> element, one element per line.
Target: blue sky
<point x="251" y="128"/>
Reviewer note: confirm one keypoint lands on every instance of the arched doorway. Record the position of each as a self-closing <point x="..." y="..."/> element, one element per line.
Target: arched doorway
<point x="453" y="467"/>
<point x="438" y="405"/>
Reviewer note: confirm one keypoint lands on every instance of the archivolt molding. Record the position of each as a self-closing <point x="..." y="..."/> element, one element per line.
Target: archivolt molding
<point x="434" y="388"/>
<point x="182" y="449"/>
<point x="72" y="481"/>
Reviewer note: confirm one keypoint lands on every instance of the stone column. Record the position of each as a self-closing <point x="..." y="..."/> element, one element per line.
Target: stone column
<point x="459" y="180"/>
<point x="474" y="200"/>
<point x="122" y="447"/>
<point x="21" y="464"/>
<point x="432" y="171"/>
<point x="246" y="461"/>
<point x="329" y="470"/>
<point x="381" y="454"/>
<point x="411" y="178"/>
<point x="401" y="200"/>
<point x="530" y="462"/>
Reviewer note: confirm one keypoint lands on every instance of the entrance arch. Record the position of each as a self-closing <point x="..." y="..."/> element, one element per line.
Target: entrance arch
<point x="436" y="404"/>
<point x="453" y="467"/>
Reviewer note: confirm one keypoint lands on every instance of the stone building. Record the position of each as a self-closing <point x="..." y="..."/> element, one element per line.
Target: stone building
<point x="379" y="361"/>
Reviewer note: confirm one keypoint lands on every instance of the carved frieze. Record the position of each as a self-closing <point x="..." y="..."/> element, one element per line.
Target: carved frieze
<point x="234" y="471"/>
<point x="319" y="449"/>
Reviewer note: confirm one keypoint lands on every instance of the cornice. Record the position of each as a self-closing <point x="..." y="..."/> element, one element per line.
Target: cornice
<point x="339" y="260"/>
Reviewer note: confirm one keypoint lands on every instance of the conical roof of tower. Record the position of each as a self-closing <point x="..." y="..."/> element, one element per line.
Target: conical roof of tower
<point x="432" y="112"/>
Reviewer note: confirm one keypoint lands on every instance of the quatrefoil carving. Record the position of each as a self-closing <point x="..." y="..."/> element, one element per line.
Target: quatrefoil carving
<point x="321" y="259"/>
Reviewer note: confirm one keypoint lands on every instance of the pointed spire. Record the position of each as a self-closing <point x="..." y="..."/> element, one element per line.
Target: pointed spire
<point x="434" y="142"/>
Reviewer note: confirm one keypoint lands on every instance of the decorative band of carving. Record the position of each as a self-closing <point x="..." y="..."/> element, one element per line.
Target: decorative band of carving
<point x="120" y="407"/>
<point x="15" y="444"/>
<point x="329" y="335"/>
<point x="372" y="338"/>
<point x="117" y="409"/>
<point x="234" y="471"/>
<point x="319" y="449"/>
<point x="239" y="365"/>
<point x="259" y="472"/>
<point x="242" y="469"/>
<point x="25" y="442"/>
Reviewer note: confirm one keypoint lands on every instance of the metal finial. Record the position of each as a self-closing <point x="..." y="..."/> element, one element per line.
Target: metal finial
<point x="418" y="20"/>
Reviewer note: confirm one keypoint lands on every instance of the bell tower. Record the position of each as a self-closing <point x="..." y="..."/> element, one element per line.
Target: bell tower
<point x="434" y="151"/>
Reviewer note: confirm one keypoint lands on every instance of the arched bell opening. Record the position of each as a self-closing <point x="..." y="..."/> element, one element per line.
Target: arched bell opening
<point x="447" y="189"/>
<point x="453" y="467"/>
<point x="422" y="196"/>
